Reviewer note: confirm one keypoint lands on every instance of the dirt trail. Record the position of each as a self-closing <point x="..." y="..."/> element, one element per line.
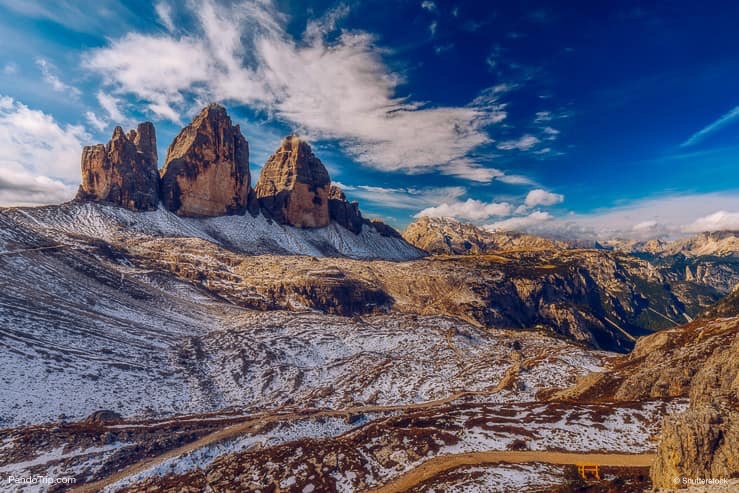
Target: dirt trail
<point x="443" y="463"/>
<point x="253" y="424"/>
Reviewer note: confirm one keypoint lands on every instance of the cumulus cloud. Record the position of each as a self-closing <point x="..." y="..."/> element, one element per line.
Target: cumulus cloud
<point x="474" y="210"/>
<point x="520" y="223"/>
<point x="20" y="188"/>
<point x="719" y="220"/>
<point x="664" y="217"/>
<point x="645" y="226"/>
<point x="38" y="156"/>
<point x="542" y="197"/>
<point x="340" y="89"/>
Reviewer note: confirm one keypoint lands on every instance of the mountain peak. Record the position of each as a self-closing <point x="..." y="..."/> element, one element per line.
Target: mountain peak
<point x="124" y="171"/>
<point x="206" y="172"/>
<point x="294" y="185"/>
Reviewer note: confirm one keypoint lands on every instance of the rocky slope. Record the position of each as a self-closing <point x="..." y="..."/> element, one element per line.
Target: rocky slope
<point x="698" y="361"/>
<point x="293" y="186"/>
<point x="451" y="237"/>
<point x="124" y="171"/>
<point x="206" y="172"/>
<point x="603" y="299"/>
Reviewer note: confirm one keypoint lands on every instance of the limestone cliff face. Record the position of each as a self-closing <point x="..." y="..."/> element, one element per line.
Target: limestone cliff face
<point x="703" y="441"/>
<point x="206" y="172"/>
<point x="344" y="212"/>
<point x="124" y="171"/>
<point x="698" y="361"/>
<point x="293" y="187"/>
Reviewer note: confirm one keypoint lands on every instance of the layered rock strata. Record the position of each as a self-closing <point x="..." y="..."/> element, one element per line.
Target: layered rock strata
<point x="206" y="172"/>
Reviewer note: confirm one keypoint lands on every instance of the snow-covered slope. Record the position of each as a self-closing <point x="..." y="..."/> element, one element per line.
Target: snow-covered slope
<point x="248" y="234"/>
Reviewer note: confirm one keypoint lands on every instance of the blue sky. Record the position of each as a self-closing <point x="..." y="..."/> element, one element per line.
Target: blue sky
<point x="587" y="119"/>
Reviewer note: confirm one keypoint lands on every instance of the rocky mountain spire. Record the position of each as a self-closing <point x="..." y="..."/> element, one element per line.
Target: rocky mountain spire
<point x="123" y="172"/>
<point x="293" y="187"/>
<point x="206" y="172"/>
<point x="344" y="212"/>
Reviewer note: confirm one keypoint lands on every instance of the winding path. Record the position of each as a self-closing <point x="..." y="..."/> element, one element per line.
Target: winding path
<point x="442" y="463"/>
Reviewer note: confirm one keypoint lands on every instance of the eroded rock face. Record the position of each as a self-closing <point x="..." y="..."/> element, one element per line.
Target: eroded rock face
<point x="702" y="442"/>
<point x="344" y="212"/>
<point x="293" y="187"/>
<point x="124" y="171"/>
<point x="206" y="172"/>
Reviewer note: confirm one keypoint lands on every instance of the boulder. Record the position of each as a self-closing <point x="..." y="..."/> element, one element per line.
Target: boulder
<point x="293" y="187"/>
<point x="206" y="172"/>
<point x="124" y="171"/>
<point x="344" y="212"/>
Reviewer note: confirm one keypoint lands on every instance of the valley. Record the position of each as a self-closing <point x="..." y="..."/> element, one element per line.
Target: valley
<point x="186" y="331"/>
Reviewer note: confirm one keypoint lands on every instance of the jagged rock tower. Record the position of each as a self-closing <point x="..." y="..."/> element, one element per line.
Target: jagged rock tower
<point x="344" y="212"/>
<point x="293" y="187"/>
<point x="124" y="171"/>
<point x="206" y="172"/>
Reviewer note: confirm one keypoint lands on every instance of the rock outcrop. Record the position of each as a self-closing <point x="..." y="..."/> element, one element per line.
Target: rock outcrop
<point x="124" y="171"/>
<point x="697" y="361"/>
<point x="206" y="172"/>
<point x="384" y="229"/>
<point x="293" y="186"/>
<point x="342" y="211"/>
<point x="703" y="441"/>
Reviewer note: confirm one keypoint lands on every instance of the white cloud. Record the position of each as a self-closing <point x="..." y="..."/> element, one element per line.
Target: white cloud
<point x="645" y="226"/>
<point x="720" y="220"/>
<point x="96" y="122"/>
<point x="520" y="223"/>
<point x="542" y="197"/>
<point x="543" y="117"/>
<point x="164" y="12"/>
<point x="515" y="180"/>
<point x="48" y="72"/>
<point x="402" y="198"/>
<point x="330" y="90"/>
<point x="474" y="210"/>
<point x="110" y="105"/>
<point x="713" y="127"/>
<point x="428" y="5"/>
<point x="10" y="68"/>
<point x="524" y="143"/>
<point x="20" y="188"/>
<point x="37" y="155"/>
<point x="669" y="216"/>
<point x="432" y="27"/>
